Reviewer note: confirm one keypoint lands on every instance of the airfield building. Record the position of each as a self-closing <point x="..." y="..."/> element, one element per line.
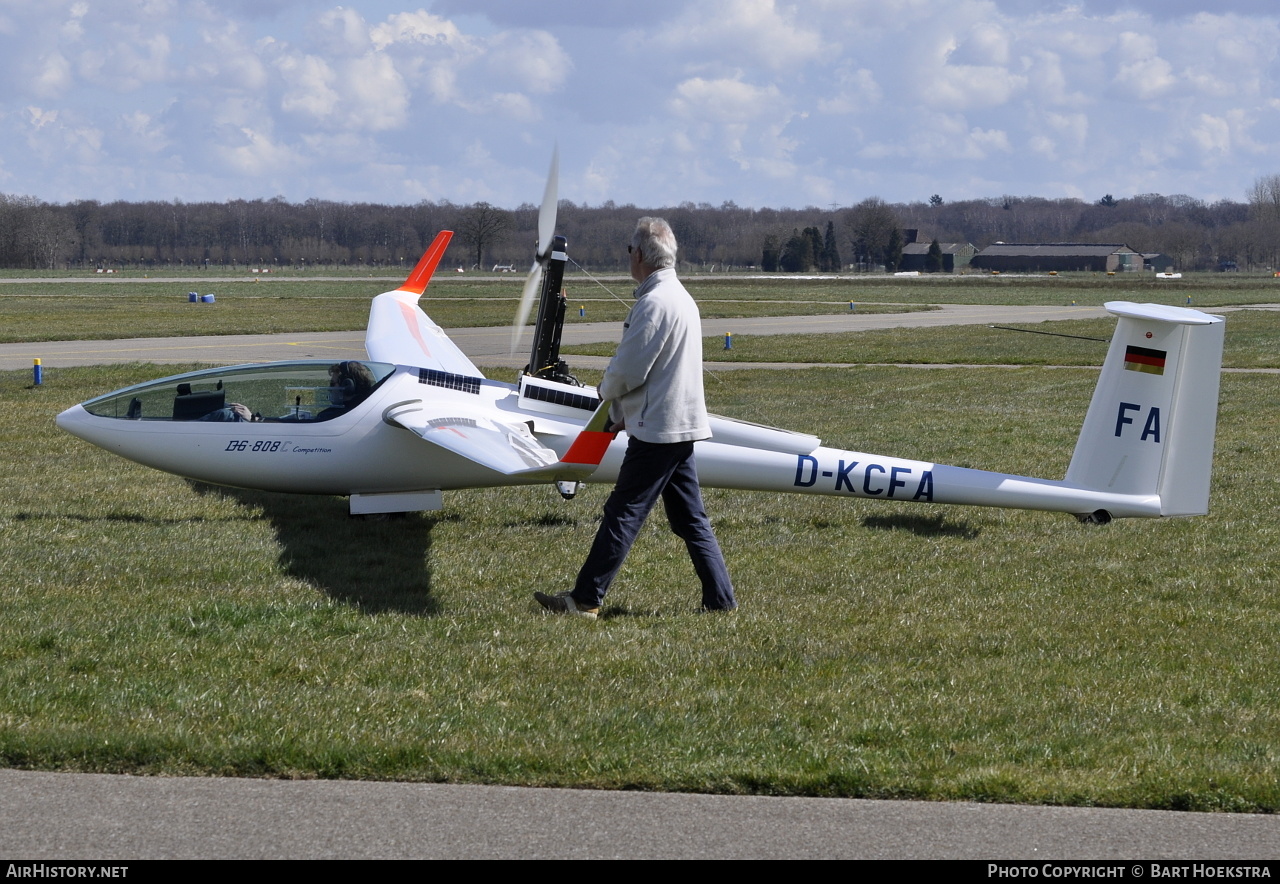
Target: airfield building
<point x="1060" y="256"/>
<point x="955" y="256"/>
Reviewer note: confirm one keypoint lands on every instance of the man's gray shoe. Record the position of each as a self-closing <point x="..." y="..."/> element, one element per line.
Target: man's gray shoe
<point x="564" y="603"/>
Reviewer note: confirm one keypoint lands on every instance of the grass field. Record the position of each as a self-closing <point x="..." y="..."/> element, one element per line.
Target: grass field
<point x="151" y="309"/>
<point x="1250" y="343"/>
<point x="157" y="626"/>
<point x="91" y="309"/>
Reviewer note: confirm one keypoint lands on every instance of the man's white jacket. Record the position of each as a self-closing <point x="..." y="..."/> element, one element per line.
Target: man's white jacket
<point x="655" y="379"/>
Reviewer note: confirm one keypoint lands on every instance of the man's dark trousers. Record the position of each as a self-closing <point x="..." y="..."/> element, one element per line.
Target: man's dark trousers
<point x="649" y="471"/>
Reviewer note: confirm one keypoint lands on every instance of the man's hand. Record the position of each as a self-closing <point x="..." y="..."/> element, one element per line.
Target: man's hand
<point x="618" y="427"/>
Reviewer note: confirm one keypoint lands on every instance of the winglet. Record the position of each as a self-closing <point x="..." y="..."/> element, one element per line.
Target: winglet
<point x="417" y="282"/>
<point x="589" y="448"/>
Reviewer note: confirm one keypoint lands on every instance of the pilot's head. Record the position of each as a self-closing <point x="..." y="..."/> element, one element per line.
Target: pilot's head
<point x="353" y="380"/>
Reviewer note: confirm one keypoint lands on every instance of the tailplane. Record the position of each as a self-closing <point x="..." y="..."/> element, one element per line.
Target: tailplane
<point x="1150" y="426"/>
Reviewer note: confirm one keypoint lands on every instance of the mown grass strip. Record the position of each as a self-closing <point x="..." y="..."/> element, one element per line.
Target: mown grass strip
<point x="1250" y="343"/>
<point x="79" y="309"/>
<point x="123" y="315"/>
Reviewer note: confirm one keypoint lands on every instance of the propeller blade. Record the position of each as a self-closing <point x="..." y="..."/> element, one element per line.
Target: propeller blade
<point x="547" y="214"/>
<point x="546" y="230"/>
<point x="532" y="283"/>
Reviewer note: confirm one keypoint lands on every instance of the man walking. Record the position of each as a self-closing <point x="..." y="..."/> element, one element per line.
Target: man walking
<point x="654" y="383"/>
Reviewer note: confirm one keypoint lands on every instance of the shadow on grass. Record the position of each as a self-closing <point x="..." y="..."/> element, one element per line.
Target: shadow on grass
<point x="110" y="517"/>
<point x="376" y="566"/>
<point x="925" y="526"/>
<point x="546" y="520"/>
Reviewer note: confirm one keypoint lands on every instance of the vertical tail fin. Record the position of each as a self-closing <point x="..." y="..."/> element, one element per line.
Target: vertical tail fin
<point x="1151" y="424"/>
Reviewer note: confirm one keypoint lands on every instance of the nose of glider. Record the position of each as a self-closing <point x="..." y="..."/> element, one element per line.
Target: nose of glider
<point x="75" y="420"/>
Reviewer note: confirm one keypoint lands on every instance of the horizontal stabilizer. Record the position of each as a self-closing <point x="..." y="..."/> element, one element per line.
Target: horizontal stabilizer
<point x="730" y="431"/>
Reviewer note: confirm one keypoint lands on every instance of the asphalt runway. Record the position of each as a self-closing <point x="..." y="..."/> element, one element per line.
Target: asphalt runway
<point x="102" y="817"/>
<point x="58" y="816"/>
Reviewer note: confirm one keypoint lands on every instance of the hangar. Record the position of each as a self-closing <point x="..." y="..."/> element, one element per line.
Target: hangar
<point x="1060" y="256"/>
<point x="955" y="256"/>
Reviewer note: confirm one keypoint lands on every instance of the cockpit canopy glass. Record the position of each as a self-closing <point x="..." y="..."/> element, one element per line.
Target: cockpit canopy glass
<point x="279" y="391"/>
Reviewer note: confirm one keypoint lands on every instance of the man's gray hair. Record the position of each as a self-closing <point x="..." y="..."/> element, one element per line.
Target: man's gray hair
<point x="656" y="241"/>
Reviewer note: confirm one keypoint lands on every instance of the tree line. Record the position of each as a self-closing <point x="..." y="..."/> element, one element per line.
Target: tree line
<point x="869" y="235"/>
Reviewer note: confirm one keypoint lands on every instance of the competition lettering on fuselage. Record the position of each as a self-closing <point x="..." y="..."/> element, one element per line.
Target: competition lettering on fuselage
<point x="873" y="480"/>
<point x="270" y="447"/>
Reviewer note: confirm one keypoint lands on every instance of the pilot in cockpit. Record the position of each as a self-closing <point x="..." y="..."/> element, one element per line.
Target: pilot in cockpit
<point x="350" y="383"/>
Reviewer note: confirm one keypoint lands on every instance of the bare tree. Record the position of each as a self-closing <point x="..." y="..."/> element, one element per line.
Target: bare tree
<point x="50" y="236"/>
<point x="1264" y="197"/>
<point x="1264" y="208"/>
<point x="481" y="226"/>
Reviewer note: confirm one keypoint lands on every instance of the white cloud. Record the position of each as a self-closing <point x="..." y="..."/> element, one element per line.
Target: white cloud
<point x="939" y="82"/>
<point x="39" y="117"/>
<point x="760" y="32"/>
<point x="376" y="93"/>
<point x="419" y="27"/>
<point x="1048" y="82"/>
<point x="53" y="77"/>
<point x="308" y="86"/>
<point x="756" y="101"/>
<point x="942" y="138"/>
<point x="146" y="132"/>
<point x="854" y="91"/>
<point x="1143" y="74"/>
<point x="257" y="154"/>
<point x="1212" y="134"/>
<point x="53" y="133"/>
<point x="986" y="44"/>
<point x="1044" y="146"/>
<point x="723" y="100"/>
<point x="72" y="29"/>
<point x="532" y="60"/>
<point x="341" y="31"/>
<point x="225" y="59"/>
<point x="514" y="106"/>
<point x="1072" y="129"/>
<point x="365" y="93"/>
<point x="129" y="62"/>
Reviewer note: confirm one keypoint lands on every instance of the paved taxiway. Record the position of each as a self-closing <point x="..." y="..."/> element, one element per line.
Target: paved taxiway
<point x="104" y="817"/>
<point x="101" y="817"/>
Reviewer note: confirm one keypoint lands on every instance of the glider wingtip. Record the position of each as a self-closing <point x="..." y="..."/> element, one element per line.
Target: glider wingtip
<point x="417" y="282"/>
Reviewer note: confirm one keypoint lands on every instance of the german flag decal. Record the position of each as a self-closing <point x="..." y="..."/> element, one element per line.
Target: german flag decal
<point x="1144" y="359"/>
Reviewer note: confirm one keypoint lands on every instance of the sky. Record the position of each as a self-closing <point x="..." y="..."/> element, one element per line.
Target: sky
<point x="755" y="102"/>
